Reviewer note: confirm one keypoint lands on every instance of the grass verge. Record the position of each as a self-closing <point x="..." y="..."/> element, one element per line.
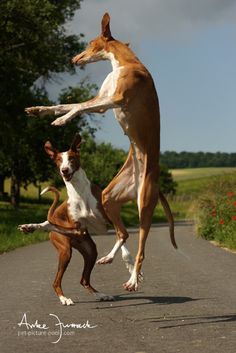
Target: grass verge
<point x="10" y="237"/>
<point x="193" y="187"/>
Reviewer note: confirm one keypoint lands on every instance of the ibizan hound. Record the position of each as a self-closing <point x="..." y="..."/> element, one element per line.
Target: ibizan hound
<point x="70" y="223"/>
<point x="130" y="91"/>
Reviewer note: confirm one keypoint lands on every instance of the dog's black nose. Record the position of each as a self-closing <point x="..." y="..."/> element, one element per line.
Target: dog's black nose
<point x="65" y="171"/>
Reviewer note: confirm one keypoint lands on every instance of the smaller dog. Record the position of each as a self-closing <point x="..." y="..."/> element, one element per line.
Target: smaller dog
<point x="71" y="223"/>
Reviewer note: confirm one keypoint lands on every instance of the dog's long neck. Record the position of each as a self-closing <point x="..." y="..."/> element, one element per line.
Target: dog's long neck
<point x="120" y="55"/>
<point x="78" y="186"/>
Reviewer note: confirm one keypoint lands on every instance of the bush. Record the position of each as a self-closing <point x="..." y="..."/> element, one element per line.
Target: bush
<point x="167" y="183"/>
<point x="216" y="212"/>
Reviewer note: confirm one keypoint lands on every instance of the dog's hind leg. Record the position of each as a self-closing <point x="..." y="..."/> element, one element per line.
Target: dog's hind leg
<point x="121" y="189"/>
<point x="63" y="247"/>
<point x="147" y="200"/>
<point x="86" y="246"/>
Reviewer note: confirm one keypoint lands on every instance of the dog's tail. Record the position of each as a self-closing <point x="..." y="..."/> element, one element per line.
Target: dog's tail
<point x="170" y="218"/>
<point x="55" y="200"/>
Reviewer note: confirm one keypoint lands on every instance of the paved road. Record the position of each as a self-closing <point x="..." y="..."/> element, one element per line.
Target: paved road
<point x="187" y="302"/>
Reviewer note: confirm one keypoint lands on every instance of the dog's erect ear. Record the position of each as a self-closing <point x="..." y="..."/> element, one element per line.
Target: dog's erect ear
<point x="52" y="152"/>
<point x="106" y="32"/>
<point x="76" y="143"/>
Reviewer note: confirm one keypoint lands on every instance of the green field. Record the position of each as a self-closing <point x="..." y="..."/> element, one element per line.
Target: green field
<point x="191" y="183"/>
<point x="199" y="173"/>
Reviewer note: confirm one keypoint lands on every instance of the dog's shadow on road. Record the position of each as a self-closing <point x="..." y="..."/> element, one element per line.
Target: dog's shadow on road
<point x="189" y="320"/>
<point x="130" y="299"/>
<point x="134" y="300"/>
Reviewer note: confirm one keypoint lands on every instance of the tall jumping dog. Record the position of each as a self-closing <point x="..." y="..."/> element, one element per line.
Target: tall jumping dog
<point x="129" y="90"/>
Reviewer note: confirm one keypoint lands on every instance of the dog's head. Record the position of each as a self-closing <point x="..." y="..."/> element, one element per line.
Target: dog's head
<point x="97" y="49"/>
<point x="67" y="162"/>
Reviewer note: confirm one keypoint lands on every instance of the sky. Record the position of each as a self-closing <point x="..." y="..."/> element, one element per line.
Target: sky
<point x="189" y="47"/>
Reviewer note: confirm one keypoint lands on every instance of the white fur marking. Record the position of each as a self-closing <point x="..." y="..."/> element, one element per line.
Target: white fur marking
<point x="109" y="258"/>
<point x="65" y="301"/>
<point x="82" y="205"/>
<point x="110" y="56"/>
<point x="109" y="85"/>
<point x="133" y="281"/>
<point x="115" y="249"/>
<point x="65" y="162"/>
<point x="127" y="258"/>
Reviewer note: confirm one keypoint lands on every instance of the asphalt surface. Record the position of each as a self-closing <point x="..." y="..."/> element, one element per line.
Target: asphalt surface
<point x="187" y="302"/>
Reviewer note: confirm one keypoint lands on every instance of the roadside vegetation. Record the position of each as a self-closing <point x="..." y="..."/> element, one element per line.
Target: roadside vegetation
<point x="206" y="197"/>
<point x="215" y="211"/>
<point x="209" y="195"/>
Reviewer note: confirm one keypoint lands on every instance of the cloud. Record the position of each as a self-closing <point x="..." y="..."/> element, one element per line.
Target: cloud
<point x="132" y="20"/>
<point x="138" y="21"/>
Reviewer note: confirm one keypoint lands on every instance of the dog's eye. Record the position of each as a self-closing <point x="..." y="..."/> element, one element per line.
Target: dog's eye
<point x="71" y="159"/>
<point x="58" y="160"/>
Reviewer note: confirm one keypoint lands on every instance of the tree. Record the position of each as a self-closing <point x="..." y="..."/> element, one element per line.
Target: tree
<point x="198" y="159"/>
<point x="33" y="45"/>
<point x="167" y="184"/>
<point x="101" y="161"/>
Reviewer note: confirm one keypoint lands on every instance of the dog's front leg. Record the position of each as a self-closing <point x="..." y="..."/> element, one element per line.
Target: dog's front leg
<point x="48" y="227"/>
<point x="70" y="111"/>
<point x="31" y="227"/>
<point x="50" y="110"/>
<point x="95" y="105"/>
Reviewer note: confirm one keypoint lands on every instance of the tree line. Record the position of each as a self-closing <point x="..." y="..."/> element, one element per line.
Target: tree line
<point x="197" y="159"/>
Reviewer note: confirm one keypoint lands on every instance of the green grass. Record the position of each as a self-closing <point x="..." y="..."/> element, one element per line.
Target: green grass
<point x="10" y="237"/>
<point x="32" y="192"/>
<point x="30" y="211"/>
<point x="199" y="173"/>
<point x="191" y="184"/>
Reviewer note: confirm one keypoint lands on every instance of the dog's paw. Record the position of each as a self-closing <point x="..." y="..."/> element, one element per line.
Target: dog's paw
<point x="130" y="286"/>
<point x="26" y="228"/>
<point x="66" y="301"/>
<point x="33" y="111"/>
<point x="105" y="260"/>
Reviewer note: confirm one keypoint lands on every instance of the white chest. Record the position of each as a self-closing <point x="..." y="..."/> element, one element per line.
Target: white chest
<point x="82" y="205"/>
<point x="109" y="85"/>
